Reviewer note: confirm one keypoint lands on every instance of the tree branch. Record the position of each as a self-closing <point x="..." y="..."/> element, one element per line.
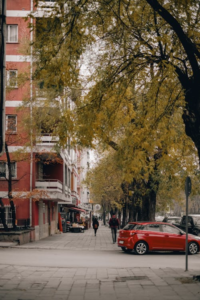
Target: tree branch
<point x="187" y="44"/>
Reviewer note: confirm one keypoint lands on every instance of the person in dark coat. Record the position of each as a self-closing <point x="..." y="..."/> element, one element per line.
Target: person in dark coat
<point x="95" y="225"/>
<point x="114" y="225"/>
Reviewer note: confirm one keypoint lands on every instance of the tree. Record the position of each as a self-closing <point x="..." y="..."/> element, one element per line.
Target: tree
<point x="143" y="58"/>
<point x="104" y="180"/>
<point x="136" y="37"/>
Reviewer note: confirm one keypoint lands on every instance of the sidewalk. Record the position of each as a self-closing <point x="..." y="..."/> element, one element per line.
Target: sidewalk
<point x="36" y="283"/>
<point x="53" y="283"/>
<point x="74" y="241"/>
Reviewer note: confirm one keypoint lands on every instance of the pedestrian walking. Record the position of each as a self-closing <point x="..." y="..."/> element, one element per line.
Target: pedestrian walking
<point x="95" y="225"/>
<point x="114" y="224"/>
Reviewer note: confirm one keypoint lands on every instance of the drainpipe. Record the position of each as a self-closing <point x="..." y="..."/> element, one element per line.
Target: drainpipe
<point x="2" y="74"/>
<point x="31" y="137"/>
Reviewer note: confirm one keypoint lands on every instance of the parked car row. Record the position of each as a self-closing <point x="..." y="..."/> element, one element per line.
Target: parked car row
<point x="193" y="224"/>
<point x="180" y="222"/>
<point x="172" y="220"/>
<point x="155" y="236"/>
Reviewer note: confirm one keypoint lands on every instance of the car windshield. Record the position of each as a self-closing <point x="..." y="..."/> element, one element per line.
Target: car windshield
<point x="129" y="227"/>
<point x="189" y="220"/>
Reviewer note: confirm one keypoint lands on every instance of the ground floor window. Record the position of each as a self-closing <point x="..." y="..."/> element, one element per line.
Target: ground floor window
<point x="8" y="217"/>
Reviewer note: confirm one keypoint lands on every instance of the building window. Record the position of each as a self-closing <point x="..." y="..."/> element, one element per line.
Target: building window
<point x="11" y="33"/>
<point x="68" y="145"/>
<point x="11" y="123"/>
<point x="8" y="217"/>
<point x="13" y="170"/>
<point x="69" y="178"/>
<point x="12" y="78"/>
<point x="4" y="170"/>
<point x="66" y="176"/>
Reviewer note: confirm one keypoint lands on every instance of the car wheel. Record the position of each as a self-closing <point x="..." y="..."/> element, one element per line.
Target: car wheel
<point x="126" y="250"/>
<point x="141" y="248"/>
<point x="193" y="248"/>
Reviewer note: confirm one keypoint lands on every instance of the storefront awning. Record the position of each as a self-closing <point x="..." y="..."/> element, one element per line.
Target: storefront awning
<point x="77" y="209"/>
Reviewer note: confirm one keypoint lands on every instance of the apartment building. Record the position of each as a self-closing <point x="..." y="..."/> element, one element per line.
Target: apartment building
<point x="42" y="178"/>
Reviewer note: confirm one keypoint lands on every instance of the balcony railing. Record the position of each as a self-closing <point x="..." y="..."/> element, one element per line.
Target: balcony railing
<point x="52" y="185"/>
<point x="47" y="139"/>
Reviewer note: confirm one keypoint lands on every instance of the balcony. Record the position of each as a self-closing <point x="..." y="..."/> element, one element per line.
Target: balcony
<point x="53" y="185"/>
<point x="53" y="189"/>
<point x="47" y="139"/>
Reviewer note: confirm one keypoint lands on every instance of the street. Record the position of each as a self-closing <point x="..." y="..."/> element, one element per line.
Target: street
<point x="80" y="266"/>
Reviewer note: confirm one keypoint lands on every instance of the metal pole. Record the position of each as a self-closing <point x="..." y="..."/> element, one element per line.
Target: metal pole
<point x="188" y="186"/>
<point x="186" y="240"/>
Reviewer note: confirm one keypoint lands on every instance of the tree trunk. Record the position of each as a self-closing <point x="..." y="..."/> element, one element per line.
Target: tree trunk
<point x="131" y="210"/>
<point x="138" y="216"/>
<point x="119" y="217"/>
<point x="124" y="216"/>
<point x="2" y="215"/>
<point x="149" y="206"/>
<point x="104" y="216"/>
<point x="189" y="80"/>
<point x="191" y="115"/>
<point x="12" y="206"/>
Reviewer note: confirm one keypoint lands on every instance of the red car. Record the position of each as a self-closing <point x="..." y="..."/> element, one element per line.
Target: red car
<point x="155" y="236"/>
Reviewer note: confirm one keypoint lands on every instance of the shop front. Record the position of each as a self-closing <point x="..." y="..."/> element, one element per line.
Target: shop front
<point x="75" y="216"/>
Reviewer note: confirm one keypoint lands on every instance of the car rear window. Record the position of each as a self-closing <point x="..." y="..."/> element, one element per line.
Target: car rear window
<point x="139" y="227"/>
<point x="134" y="227"/>
<point x="129" y="227"/>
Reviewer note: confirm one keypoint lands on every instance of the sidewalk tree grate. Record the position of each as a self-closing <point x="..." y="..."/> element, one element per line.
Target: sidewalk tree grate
<point x="188" y="279"/>
<point x="196" y="278"/>
<point x="131" y="278"/>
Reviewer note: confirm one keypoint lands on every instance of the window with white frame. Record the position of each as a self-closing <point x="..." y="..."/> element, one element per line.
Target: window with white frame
<point x="11" y="123"/>
<point x="13" y="169"/>
<point x="4" y="170"/>
<point x="8" y="217"/>
<point x="11" y="33"/>
<point x="12" y="78"/>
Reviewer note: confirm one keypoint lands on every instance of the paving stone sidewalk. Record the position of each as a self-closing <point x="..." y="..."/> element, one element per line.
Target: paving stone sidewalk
<point x="52" y="283"/>
<point x="40" y="283"/>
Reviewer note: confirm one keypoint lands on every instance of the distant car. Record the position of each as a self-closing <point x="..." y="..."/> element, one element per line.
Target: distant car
<point x="159" y="218"/>
<point x="193" y="224"/>
<point x="155" y="236"/>
<point x="172" y="220"/>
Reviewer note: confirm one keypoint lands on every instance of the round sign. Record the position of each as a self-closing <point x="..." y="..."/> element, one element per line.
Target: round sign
<point x="97" y="207"/>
